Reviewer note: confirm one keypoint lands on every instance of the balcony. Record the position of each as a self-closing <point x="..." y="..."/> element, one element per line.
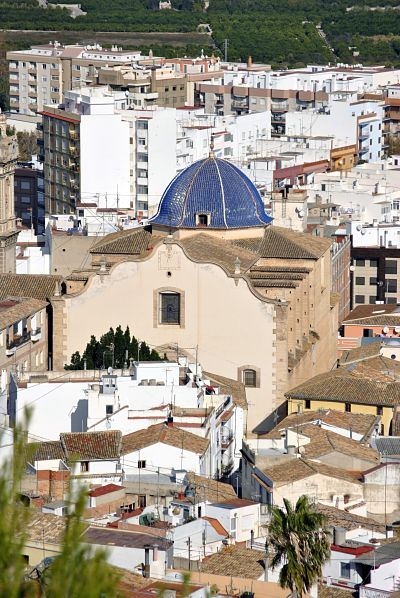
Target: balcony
<point x="10" y="350"/>
<point x="280" y="107"/>
<point x="36" y="335"/>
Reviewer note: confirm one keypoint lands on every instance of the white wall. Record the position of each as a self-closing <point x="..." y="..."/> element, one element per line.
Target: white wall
<point x="104" y="160"/>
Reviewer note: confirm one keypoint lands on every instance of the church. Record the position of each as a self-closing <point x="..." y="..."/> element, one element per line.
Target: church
<point x="212" y="277"/>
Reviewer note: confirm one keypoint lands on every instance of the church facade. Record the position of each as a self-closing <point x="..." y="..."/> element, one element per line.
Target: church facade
<point x="212" y="277"/>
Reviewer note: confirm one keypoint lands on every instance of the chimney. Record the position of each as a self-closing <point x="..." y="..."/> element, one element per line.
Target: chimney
<point x="155" y="552"/>
<point x="251" y="538"/>
<point x="170" y="421"/>
<point x="249" y="62"/>
<point x="146" y="572"/>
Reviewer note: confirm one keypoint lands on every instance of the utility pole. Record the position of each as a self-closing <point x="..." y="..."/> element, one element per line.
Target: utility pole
<point x="189" y="542"/>
<point x="225" y="50"/>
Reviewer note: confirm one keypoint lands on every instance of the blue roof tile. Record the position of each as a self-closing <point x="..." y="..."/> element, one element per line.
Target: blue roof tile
<point x="215" y="187"/>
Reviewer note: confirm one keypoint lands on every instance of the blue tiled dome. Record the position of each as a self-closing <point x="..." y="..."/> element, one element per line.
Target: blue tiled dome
<point x="213" y="190"/>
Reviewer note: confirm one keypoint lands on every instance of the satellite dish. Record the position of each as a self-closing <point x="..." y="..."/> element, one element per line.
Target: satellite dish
<point x="109" y="370"/>
<point x="362" y="231"/>
<point x="385" y="329"/>
<point x="359" y="227"/>
<point x="301" y="214"/>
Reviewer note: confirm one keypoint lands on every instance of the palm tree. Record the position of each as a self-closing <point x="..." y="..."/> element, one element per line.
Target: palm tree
<point x="299" y="543"/>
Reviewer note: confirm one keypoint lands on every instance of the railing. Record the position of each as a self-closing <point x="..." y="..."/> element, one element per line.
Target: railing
<point x="36" y="334"/>
<point x="365" y="592"/>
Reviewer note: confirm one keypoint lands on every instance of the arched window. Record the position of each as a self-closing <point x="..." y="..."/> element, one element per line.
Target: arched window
<point x="249" y="375"/>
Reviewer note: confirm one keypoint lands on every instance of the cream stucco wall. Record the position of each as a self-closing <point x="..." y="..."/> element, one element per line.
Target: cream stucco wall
<point x="229" y="325"/>
<point x="319" y="487"/>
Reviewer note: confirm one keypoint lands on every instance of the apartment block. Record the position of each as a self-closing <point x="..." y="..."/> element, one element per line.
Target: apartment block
<point x="375" y="263"/>
<point x="39" y="76"/>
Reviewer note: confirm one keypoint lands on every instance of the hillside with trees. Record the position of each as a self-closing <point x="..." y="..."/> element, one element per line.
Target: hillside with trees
<point x="284" y="33"/>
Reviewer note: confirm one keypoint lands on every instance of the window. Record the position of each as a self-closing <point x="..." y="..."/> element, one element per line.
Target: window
<point x="141" y="501"/>
<point x="391" y="285"/>
<point x="26" y="185"/>
<point x="142" y="124"/>
<point x="84" y="466"/>
<point x="345" y="570"/>
<point x="379" y="410"/>
<point x="360" y="280"/>
<point x="360" y="299"/>
<point x="250" y="378"/>
<point x="170" y="308"/>
<point x="391" y="266"/>
<point x="142" y="141"/>
<point x="307" y="404"/>
<point x="360" y="262"/>
<point x="109" y="409"/>
<point x="347" y="407"/>
<point x="142" y="189"/>
<point x="372" y="300"/>
<point x="141" y="464"/>
<point x="373" y="280"/>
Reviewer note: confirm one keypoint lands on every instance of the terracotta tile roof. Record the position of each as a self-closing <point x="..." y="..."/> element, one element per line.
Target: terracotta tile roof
<point x="229" y="386"/>
<point x="217" y="526"/>
<point x="36" y="286"/>
<point x="361" y="386"/>
<point x="288" y="244"/>
<point x="46" y="451"/>
<point x="172" y="436"/>
<point x="325" y="591"/>
<point x="206" y="248"/>
<point x="43" y="527"/>
<point x="374" y="315"/>
<point x="350" y="521"/>
<point x="277" y="269"/>
<point x="90" y="446"/>
<point x="235" y="561"/>
<point x="360" y="423"/>
<point x="293" y="470"/>
<point x="324" y="442"/>
<point x="208" y="489"/>
<point x="359" y="353"/>
<point x="107" y="489"/>
<point x="12" y="310"/>
<point x="129" y="242"/>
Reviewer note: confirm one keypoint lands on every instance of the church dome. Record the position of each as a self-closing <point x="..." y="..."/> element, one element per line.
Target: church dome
<point x="211" y="193"/>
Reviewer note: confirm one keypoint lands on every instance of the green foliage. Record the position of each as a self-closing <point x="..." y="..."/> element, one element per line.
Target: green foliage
<point x="281" y="32"/>
<point x="77" y="566"/>
<point x="298" y="542"/>
<point x="114" y="348"/>
<point x="27" y="145"/>
<point x="77" y="570"/>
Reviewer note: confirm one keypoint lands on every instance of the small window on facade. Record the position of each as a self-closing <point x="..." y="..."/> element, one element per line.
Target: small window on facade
<point x="360" y="298"/>
<point x="391" y="266"/>
<point x="249" y="378"/>
<point x="170" y="312"/>
<point x="141" y="501"/>
<point x="109" y="409"/>
<point x="307" y="404"/>
<point x="360" y="280"/>
<point x="84" y="466"/>
<point x="379" y="410"/>
<point x="345" y="570"/>
<point x="360" y="262"/>
<point x="347" y="407"/>
<point x="141" y="464"/>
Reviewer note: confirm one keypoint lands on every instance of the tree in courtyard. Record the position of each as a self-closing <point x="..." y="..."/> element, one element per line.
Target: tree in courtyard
<point x="298" y="542"/>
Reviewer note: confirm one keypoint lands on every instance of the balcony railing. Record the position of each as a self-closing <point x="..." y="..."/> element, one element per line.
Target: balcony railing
<point x="36" y="335"/>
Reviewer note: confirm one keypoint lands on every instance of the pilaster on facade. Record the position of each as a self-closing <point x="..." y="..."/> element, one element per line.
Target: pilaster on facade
<point x="8" y="229"/>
